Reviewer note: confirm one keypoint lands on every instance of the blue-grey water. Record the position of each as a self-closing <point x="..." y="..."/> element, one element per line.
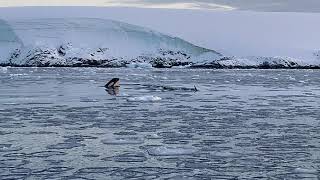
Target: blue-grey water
<point x="60" y="123"/>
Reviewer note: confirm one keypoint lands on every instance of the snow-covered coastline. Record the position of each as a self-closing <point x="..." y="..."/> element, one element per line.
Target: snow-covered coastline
<point x="99" y="42"/>
<point x="94" y="42"/>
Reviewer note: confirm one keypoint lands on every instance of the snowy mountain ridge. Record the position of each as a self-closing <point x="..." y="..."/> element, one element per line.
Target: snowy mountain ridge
<point x="106" y="43"/>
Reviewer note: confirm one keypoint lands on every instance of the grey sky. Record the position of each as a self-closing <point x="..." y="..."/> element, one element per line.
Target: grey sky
<point x="255" y="5"/>
<point x="258" y="5"/>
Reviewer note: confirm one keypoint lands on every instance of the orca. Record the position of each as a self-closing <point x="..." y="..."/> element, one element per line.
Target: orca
<point x="113" y="91"/>
<point x="112" y="87"/>
<point x="170" y="88"/>
<point x="113" y="83"/>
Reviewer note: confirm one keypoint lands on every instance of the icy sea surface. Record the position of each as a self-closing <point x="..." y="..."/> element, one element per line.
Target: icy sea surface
<point x="60" y="123"/>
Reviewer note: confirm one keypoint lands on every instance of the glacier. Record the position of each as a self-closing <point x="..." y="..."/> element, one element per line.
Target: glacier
<point x="98" y="42"/>
<point x="93" y="42"/>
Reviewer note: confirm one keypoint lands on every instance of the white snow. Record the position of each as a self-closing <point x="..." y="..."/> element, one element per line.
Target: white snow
<point x="256" y="61"/>
<point x="145" y="99"/>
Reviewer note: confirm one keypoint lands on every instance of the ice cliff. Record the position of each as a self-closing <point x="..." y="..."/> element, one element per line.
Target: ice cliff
<point x="92" y="42"/>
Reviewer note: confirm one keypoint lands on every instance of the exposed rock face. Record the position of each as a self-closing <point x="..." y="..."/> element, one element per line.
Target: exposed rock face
<point x="67" y="56"/>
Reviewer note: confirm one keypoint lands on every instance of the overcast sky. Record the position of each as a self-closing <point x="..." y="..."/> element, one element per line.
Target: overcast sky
<point x="255" y="5"/>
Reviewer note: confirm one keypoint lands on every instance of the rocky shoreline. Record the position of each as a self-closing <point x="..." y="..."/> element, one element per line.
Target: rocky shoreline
<point x="177" y="65"/>
<point x="67" y="56"/>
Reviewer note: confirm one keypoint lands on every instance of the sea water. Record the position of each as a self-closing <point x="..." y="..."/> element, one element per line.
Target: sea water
<point x="60" y="123"/>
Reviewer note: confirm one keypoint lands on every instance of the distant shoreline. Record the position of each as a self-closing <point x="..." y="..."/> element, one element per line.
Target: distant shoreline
<point x="172" y="67"/>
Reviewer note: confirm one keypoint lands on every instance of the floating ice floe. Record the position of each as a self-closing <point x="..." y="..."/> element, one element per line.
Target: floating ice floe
<point x="4" y="69"/>
<point x="145" y="99"/>
<point x="170" y="151"/>
<point x="139" y="65"/>
<point x="306" y="171"/>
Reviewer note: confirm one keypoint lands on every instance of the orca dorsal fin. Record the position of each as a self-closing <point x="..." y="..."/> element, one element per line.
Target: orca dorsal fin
<point x="195" y="88"/>
<point x="115" y="82"/>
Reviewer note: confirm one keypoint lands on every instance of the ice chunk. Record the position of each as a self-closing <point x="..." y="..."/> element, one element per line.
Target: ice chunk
<point x="145" y="98"/>
<point x="139" y="65"/>
<point x="4" y="69"/>
<point x="305" y="171"/>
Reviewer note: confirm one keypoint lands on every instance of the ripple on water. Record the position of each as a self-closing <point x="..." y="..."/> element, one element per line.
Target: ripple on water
<point x="97" y="170"/>
<point x="12" y="163"/>
<point x="258" y="128"/>
<point x="46" y="154"/>
<point x="9" y="148"/>
<point x="123" y="141"/>
<point x="128" y="157"/>
<point x="66" y="145"/>
<point x="171" y="151"/>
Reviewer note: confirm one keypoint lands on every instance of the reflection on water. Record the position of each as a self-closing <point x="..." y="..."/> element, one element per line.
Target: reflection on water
<point x="59" y="123"/>
<point x="113" y="91"/>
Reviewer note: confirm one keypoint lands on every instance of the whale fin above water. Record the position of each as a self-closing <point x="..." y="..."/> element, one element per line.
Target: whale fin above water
<point x="113" y="83"/>
<point x="171" y="88"/>
<point x="195" y="88"/>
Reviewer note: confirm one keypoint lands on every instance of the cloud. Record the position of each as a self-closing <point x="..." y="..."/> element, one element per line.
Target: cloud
<point x="173" y="4"/>
<point x="169" y="5"/>
<point x="254" y="5"/>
